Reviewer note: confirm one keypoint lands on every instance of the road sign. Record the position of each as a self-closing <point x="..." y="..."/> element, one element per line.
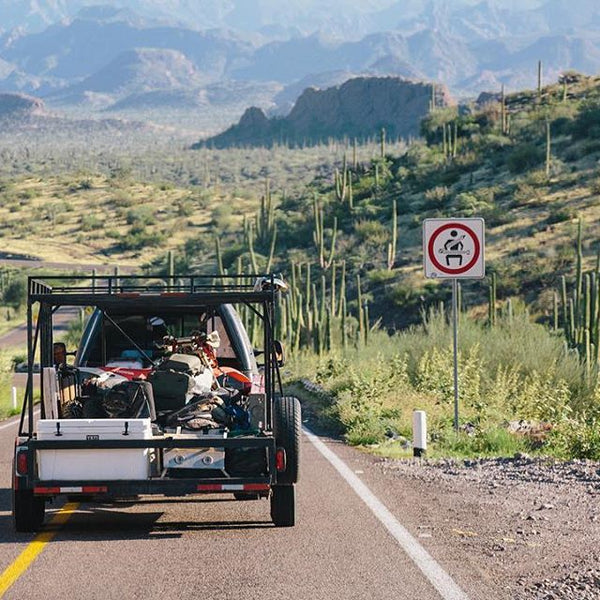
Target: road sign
<point x="454" y="248"/>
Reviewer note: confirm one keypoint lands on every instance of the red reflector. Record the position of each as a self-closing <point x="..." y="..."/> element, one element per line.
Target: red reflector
<point x="91" y="489"/>
<point x="256" y="487"/>
<point x="280" y="459"/>
<point x="209" y="487"/>
<point x="22" y="462"/>
<point x="46" y="490"/>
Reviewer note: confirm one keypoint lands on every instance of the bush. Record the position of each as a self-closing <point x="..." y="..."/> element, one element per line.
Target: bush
<point x="587" y="122"/>
<point x="140" y="216"/>
<point x="139" y="237"/>
<point x="90" y="223"/>
<point x="436" y="197"/>
<point x="123" y="199"/>
<point x="524" y="157"/>
<point x="15" y="293"/>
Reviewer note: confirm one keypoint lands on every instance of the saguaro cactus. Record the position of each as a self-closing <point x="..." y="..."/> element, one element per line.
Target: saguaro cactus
<point x="319" y="235"/>
<point x="391" y="253"/>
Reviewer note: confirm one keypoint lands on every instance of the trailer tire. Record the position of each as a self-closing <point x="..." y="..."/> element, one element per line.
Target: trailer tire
<point x="283" y="505"/>
<point x="28" y="511"/>
<point x="287" y="415"/>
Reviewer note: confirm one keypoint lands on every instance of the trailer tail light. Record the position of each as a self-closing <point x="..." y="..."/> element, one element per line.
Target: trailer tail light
<point x="21" y="462"/>
<point x="280" y="460"/>
<point x="233" y="487"/>
<point x="73" y="489"/>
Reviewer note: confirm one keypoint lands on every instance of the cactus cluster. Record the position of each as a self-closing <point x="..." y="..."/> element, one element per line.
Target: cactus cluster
<point x="580" y="310"/>
<point x="314" y="313"/>
<point x="450" y="140"/>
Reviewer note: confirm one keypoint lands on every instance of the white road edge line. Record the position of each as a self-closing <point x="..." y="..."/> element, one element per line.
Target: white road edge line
<point x="15" y="421"/>
<point x="440" y="580"/>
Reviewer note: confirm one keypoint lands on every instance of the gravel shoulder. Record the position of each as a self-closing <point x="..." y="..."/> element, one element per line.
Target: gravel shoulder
<point x="520" y="529"/>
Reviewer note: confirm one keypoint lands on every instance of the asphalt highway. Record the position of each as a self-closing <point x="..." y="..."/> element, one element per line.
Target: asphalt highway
<point x="213" y="547"/>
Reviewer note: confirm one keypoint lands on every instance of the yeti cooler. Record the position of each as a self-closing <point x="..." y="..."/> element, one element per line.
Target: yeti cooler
<point x="94" y="464"/>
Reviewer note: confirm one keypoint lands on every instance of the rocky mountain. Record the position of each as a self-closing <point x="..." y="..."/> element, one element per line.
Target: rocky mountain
<point x="358" y="108"/>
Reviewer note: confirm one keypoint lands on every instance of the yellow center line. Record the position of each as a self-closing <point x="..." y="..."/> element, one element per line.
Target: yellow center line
<point x="26" y="558"/>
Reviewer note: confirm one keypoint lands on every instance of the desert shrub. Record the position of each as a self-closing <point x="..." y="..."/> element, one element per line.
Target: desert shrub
<point x="578" y="438"/>
<point x="140" y="216"/>
<point x="185" y="207"/>
<point x="371" y="231"/>
<point x="15" y="292"/>
<point x="594" y="185"/>
<point x="524" y="157"/>
<point x="90" y="222"/>
<point x="139" y="237"/>
<point x="122" y="199"/>
<point x="587" y="122"/>
<point x="490" y="441"/>
<point x="560" y="215"/>
<point x="473" y="204"/>
<point x="434" y="375"/>
<point x="436" y="197"/>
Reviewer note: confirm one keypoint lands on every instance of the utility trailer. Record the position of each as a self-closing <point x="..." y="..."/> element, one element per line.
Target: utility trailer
<point x="164" y="395"/>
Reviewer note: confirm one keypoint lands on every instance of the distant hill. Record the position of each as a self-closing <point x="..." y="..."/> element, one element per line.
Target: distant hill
<point x="358" y="108"/>
<point x="80" y="48"/>
<point x="19" y="105"/>
<point x="217" y="97"/>
<point x="141" y="70"/>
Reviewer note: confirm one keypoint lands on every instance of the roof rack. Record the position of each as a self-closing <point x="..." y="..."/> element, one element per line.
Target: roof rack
<point x="58" y="290"/>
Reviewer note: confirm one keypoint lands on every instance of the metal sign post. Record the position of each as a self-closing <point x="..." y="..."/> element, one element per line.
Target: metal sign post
<point x="455" y="346"/>
<point x="454" y="249"/>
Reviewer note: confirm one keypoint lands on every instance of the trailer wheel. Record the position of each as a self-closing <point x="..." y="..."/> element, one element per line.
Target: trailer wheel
<point x="28" y="510"/>
<point x="288" y="422"/>
<point x="283" y="505"/>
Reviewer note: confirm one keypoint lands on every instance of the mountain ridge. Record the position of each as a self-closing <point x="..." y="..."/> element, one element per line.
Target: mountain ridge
<point x="358" y="108"/>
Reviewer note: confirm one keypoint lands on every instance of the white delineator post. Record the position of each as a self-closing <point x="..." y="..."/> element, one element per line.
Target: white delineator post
<point x="14" y="397"/>
<point x="419" y="432"/>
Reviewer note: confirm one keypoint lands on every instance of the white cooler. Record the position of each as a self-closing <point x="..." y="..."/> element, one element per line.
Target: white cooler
<point x="94" y="465"/>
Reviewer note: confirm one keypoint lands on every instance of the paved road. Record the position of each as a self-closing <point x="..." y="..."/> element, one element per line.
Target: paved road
<point x="17" y="337"/>
<point x="101" y="268"/>
<point x="177" y="548"/>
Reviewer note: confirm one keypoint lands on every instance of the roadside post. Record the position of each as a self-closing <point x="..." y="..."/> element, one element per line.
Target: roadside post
<point x="419" y="433"/>
<point x="454" y="249"/>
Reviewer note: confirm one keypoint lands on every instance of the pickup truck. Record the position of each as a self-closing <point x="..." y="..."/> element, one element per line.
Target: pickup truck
<point x="164" y="396"/>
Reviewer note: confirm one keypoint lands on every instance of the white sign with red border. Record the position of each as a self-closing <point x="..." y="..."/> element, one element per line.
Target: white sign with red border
<point x="454" y="248"/>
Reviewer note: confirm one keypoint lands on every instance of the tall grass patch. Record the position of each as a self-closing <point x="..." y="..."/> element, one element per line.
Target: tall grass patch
<point x="517" y="371"/>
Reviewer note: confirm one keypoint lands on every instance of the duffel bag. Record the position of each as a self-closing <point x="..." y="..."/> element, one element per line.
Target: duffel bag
<point x="182" y="363"/>
<point x="171" y="389"/>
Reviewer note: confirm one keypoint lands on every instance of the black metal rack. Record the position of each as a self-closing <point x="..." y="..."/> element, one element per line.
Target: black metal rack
<point x="125" y="293"/>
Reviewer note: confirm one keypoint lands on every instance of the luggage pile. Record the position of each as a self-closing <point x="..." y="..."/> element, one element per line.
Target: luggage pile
<point x="186" y="390"/>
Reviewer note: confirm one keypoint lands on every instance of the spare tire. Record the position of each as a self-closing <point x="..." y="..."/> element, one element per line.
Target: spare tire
<point x="287" y="420"/>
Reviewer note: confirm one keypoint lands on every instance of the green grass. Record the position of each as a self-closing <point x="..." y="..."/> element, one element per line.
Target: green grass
<point x="6" y="374"/>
